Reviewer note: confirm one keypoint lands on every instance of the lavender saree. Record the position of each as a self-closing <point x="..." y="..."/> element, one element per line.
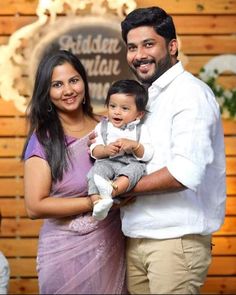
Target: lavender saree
<point x="79" y="255"/>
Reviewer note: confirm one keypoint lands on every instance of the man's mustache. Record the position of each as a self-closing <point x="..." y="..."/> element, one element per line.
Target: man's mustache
<point x="138" y="63"/>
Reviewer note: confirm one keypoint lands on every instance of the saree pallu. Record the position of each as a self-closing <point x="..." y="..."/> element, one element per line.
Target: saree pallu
<point x="82" y="256"/>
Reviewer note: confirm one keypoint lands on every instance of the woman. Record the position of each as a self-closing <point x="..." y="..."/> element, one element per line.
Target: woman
<point x="76" y="254"/>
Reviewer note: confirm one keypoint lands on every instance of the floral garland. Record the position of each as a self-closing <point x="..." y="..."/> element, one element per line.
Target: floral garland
<point x="209" y="74"/>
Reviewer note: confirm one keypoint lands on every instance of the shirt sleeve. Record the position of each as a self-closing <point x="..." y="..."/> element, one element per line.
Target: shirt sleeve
<point x="98" y="139"/>
<point x="145" y="140"/>
<point x="34" y="148"/>
<point x="193" y="132"/>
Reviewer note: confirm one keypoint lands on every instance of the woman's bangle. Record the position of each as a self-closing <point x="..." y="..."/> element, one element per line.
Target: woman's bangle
<point x="136" y="148"/>
<point x="90" y="203"/>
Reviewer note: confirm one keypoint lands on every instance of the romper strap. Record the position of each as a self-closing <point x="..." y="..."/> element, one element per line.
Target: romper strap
<point x="104" y="124"/>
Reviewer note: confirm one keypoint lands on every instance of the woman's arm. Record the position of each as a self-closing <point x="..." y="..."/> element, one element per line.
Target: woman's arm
<point x="37" y="185"/>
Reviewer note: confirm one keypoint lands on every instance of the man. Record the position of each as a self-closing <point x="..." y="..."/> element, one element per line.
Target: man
<point x="181" y="201"/>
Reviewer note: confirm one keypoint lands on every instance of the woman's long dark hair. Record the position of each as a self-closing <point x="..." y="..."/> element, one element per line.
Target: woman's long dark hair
<point x="42" y="114"/>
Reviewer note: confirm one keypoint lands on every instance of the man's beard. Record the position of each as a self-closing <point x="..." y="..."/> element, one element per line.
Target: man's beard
<point x="161" y="67"/>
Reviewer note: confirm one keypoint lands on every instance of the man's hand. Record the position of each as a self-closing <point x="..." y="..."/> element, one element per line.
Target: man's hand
<point x="123" y="201"/>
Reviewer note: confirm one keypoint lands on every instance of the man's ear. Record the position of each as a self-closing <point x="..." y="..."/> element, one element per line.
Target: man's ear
<point x="173" y="47"/>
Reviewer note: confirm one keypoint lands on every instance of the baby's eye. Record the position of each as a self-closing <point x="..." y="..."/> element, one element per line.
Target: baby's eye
<point x="112" y="106"/>
<point x="125" y="108"/>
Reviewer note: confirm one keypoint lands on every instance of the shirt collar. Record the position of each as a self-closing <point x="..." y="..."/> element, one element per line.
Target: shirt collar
<point x="130" y="126"/>
<point x="168" y="76"/>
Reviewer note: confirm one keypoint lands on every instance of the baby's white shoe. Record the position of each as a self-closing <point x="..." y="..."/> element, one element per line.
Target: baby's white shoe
<point x="101" y="208"/>
<point x="104" y="187"/>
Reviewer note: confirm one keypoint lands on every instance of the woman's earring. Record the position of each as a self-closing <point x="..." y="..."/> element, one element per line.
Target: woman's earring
<point x="83" y="102"/>
<point x="50" y="108"/>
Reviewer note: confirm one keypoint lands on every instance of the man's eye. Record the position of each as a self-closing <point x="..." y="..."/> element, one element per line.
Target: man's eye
<point x="131" y="48"/>
<point x="149" y="45"/>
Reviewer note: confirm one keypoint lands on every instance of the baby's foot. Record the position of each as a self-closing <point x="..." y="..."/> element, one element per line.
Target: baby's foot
<point x="104" y="187"/>
<point x="101" y="208"/>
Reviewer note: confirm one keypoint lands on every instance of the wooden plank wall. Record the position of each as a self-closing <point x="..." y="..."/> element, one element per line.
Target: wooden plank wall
<point x="207" y="28"/>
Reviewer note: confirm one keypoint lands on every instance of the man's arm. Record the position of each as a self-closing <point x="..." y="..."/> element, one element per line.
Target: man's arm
<point x="157" y="182"/>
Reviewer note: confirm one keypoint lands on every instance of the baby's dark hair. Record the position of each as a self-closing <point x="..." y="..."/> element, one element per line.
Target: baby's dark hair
<point x="131" y="87"/>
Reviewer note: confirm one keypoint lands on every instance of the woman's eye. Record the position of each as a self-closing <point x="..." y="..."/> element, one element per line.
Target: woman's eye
<point x="74" y="81"/>
<point x="56" y="84"/>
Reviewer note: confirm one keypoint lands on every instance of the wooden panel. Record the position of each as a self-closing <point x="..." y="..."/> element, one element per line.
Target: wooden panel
<point x="228" y="228"/>
<point x="14" y="186"/>
<point x="219" y="285"/>
<point x="23" y="227"/>
<point x="208" y="44"/>
<point x="199" y="24"/>
<point x="223" y="265"/>
<point x="12" y="126"/>
<point x="229" y="127"/>
<point x="23" y="267"/>
<point x="230" y="165"/>
<point x="205" y="24"/>
<point x="28" y="247"/>
<point x="195" y="63"/>
<point x="213" y="285"/>
<point x="206" y="28"/>
<point x="224" y="245"/>
<point x="11" y="167"/>
<point x="231" y="185"/>
<point x="203" y="45"/>
<point x="7" y="108"/>
<point x="172" y="6"/>
<point x="27" y="266"/>
<point x="11" y="207"/>
<point x="11" y="147"/>
<point x="231" y="205"/>
<point x="10" y="24"/>
<point x="18" y="7"/>
<point x="4" y="40"/>
<point x="23" y="286"/>
<point x="228" y="82"/>
<point x="30" y="228"/>
<point x="230" y="145"/>
<point x="19" y="247"/>
<point x="11" y="187"/>
<point x="192" y="6"/>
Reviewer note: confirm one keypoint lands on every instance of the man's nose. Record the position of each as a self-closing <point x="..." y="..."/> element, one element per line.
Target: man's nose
<point x="141" y="53"/>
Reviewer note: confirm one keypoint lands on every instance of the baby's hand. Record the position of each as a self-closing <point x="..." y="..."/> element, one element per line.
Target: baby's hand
<point x="127" y="145"/>
<point x="112" y="149"/>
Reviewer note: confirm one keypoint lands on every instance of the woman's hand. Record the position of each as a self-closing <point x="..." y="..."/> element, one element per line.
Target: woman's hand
<point x="92" y="138"/>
